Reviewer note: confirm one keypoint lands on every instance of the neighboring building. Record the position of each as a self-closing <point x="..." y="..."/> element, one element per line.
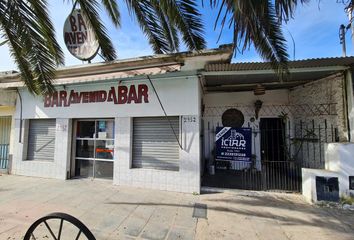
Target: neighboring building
<point x="7" y="111"/>
<point x="109" y="121"/>
<point x="302" y="125"/>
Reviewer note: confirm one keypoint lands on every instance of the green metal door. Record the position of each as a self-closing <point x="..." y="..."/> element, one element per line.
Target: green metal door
<point x="5" y="130"/>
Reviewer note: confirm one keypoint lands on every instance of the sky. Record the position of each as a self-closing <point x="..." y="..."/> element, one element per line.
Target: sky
<point x="314" y="29"/>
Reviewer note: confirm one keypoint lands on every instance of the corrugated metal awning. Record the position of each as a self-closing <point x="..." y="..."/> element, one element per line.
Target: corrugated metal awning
<point x="305" y="63"/>
<point x="245" y="76"/>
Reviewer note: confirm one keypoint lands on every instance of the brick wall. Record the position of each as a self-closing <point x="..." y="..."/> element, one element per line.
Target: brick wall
<point x="325" y="91"/>
<point x="324" y="118"/>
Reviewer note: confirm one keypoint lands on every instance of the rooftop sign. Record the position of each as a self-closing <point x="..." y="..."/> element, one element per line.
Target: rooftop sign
<point x="79" y="37"/>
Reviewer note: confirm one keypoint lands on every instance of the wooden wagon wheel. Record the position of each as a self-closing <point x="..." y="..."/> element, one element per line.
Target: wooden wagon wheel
<point x="82" y="233"/>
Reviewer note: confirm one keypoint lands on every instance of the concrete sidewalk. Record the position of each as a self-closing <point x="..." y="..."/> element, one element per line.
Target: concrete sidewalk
<point x="115" y="212"/>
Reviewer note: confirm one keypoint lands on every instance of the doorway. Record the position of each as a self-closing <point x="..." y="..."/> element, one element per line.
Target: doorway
<point x="94" y="148"/>
<point x="280" y="172"/>
<point x="272" y="139"/>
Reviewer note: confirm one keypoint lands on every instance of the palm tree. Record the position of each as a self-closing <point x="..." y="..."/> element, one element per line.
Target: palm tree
<point x="259" y="22"/>
<point x="27" y="29"/>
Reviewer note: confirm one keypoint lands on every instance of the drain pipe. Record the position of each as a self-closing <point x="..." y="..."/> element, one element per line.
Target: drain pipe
<point x="20" y="134"/>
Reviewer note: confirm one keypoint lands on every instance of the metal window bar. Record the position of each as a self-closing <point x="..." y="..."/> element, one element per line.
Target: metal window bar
<point x="302" y="146"/>
<point x="4" y="156"/>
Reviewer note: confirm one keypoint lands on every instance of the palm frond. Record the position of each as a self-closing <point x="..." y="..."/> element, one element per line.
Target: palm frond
<point x="41" y="12"/>
<point x="15" y="48"/>
<point x="285" y="9"/>
<point x="112" y="9"/>
<point x="29" y="32"/>
<point x="184" y="14"/>
<point x="4" y="42"/>
<point x="258" y="22"/>
<point x="31" y="44"/>
<point x="150" y="24"/>
<point x="269" y="40"/>
<point x="169" y="29"/>
<point x="90" y="9"/>
<point x="163" y="20"/>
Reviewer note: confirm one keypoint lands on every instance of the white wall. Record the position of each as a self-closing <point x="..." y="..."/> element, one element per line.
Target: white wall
<point x="179" y="96"/>
<point x="309" y="182"/>
<point x="48" y="169"/>
<point x="339" y="163"/>
<point x="339" y="157"/>
<point x="246" y="98"/>
<point x="7" y="98"/>
<point x="187" y="179"/>
<point x="199" y="62"/>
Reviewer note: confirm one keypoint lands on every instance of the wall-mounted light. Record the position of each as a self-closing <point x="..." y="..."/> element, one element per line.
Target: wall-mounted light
<point x="257" y="107"/>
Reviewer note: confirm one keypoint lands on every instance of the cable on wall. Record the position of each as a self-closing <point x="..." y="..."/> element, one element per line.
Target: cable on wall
<point x="163" y="109"/>
<point x="20" y="133"/>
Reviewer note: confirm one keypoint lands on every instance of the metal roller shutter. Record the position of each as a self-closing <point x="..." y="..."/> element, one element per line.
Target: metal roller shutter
<point x="5" y="129"/>
<point x="154" y="143"/>
<point x="41" y="139"/>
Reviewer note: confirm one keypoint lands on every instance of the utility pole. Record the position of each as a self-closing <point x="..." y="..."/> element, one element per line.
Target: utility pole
<point x="349" y="10"/>
<point x="342" y="31"/>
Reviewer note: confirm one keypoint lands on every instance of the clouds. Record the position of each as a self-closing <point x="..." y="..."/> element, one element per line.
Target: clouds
<point x="129" y="40"/>
<point x="315" y="29"/>
<point x="6" y="62"/>
<point x="315" y="32"/>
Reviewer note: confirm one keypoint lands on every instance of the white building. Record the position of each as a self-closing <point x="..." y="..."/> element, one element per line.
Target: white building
<point x="150" y="122"/>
